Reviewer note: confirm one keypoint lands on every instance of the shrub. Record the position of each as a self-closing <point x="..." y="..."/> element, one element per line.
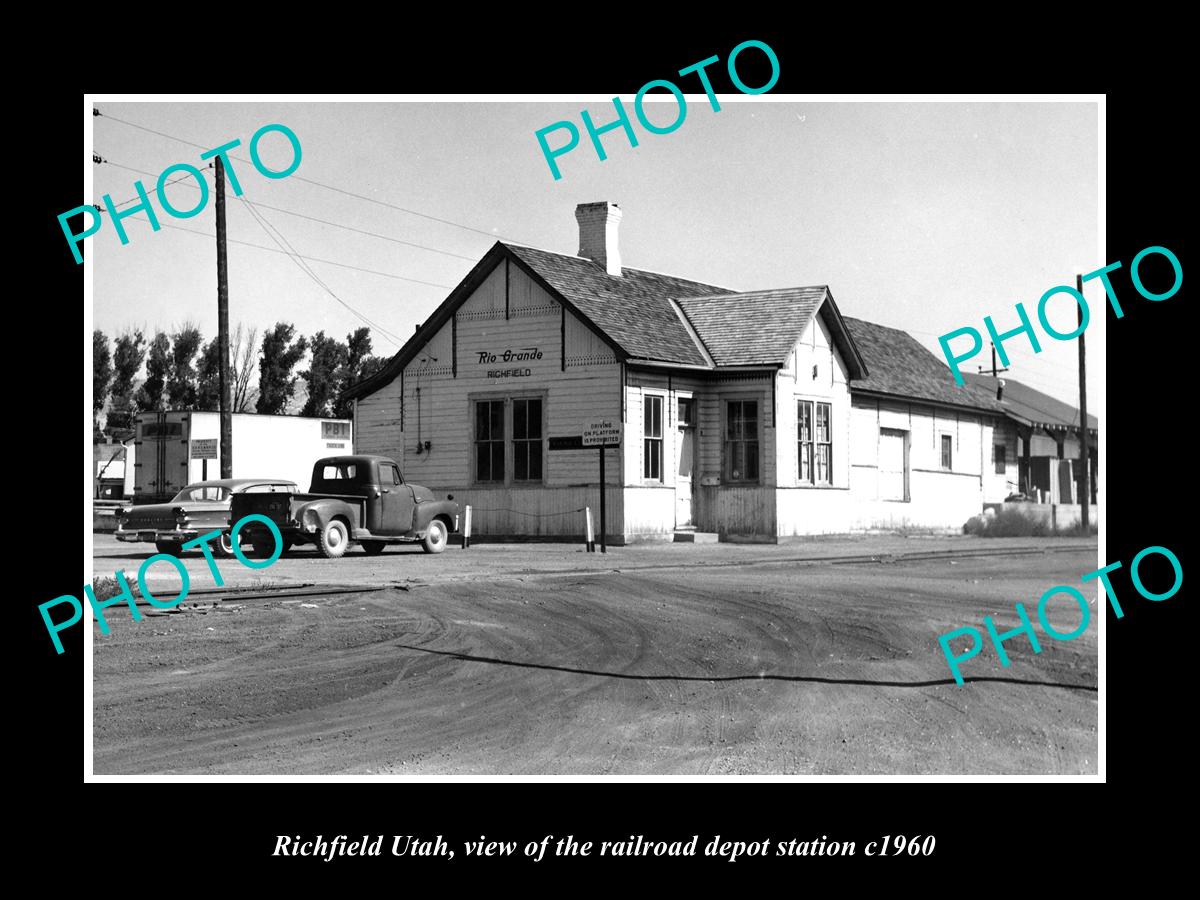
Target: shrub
<point x="976" y="525"/>
<point x="1076" y="530"/>
<point x="1014" y="522"/>
<point x="106" y="586"/>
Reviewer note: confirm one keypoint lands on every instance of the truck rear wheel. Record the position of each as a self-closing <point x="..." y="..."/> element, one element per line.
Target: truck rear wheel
<point x="264" y="546"/>
<point x="435" y="538"/>
<point x="334" y="539"/>
<point x="171" y="548"/>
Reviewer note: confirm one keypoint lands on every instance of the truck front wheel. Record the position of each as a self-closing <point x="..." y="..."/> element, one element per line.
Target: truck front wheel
<point x="334" y="539"/>
<point x="435" y="537"/>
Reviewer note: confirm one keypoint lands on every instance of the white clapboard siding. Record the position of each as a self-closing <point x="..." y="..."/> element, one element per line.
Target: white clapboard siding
<point x="377" y="422"/>
<point x="463" y="361"/>
<point x="797" y="382"/>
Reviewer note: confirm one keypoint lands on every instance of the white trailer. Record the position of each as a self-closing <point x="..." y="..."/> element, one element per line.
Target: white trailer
<point x="174" y="448"/>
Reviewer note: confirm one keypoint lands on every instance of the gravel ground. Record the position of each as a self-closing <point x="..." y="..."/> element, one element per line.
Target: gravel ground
<point x="655" y="659"/>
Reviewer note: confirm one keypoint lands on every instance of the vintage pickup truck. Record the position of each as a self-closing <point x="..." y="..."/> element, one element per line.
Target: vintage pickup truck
<point x="353" y="498"/>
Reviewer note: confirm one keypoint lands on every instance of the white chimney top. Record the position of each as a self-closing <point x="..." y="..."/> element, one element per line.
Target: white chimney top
<point x="598" y="224"/>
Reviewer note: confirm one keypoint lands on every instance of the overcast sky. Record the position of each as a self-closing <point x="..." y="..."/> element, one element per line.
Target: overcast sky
<point x="924" y="217"/>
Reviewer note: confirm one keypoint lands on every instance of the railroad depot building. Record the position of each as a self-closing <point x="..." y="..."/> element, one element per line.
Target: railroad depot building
<point x="755" y="415"/>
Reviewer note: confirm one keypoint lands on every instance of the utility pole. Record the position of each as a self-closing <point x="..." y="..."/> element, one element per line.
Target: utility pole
<point x="994" y="372"/>
<point x="1085" y="481"/>
<point x="223" y="328"/>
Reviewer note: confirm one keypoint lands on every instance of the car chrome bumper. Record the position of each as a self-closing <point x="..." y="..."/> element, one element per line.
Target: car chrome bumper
<point x="151" y="536"/>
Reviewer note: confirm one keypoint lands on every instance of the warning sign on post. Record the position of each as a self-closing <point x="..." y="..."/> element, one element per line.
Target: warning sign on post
<point x="205" y="448"/>
<point x="602" y="433"/>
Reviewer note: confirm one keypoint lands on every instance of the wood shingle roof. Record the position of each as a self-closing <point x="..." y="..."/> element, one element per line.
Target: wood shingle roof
<point x="1030" y="406"/>
<point x="901" y="367"/>
<point x="756" y="327"/>
<point x="661" y="318"/>
<point x="634" y="309"/>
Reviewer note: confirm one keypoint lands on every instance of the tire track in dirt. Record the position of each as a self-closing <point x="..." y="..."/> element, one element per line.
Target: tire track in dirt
<point x="366" y="685"/>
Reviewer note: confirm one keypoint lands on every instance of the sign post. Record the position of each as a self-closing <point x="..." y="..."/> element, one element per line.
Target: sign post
<point x="602" y="433"/>
<point x="205" y="449"/>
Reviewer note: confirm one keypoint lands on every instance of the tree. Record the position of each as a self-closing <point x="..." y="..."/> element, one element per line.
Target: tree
<point x="127" y="360"/>
<point x="241" y="370"/>
<point x="181" y="377"/>
<point x="360" y="364"/>
<point x="102" y="370"/>
<point x="322" y="377"/>
<point x="358" y="348"/>
<point x="158" y="365"/>
<point x="241" y="358"/>
<point x="370" y="366"/>
<point x="208" y="380"/>
<point x="279" y="357"/>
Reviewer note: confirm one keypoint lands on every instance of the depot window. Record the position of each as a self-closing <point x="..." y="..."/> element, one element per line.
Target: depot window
<point x="814" y="442"/>
<point x="489" y="440"/>
<point x="741" y="440"/>
<point x="947" y="451"/>
<point x="652" y="449"/>
<point x="509" y="440"/>
<point x="1001" y="458"/>
<point x="527" y="439"/>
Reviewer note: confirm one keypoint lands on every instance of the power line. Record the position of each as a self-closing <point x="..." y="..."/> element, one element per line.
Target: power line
<point x="109" y="162"/>
<point x="299" y="215"/>
<point x="302" y="256"/>
<point x="268" y="228"/>
<point x="327" y="187"/>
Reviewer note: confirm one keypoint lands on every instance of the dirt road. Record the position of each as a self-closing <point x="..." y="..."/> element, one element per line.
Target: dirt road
<point x="774" y="667"/>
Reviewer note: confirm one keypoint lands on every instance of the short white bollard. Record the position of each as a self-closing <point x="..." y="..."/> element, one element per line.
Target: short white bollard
<point x="467" y="527"/>
<point x="591" y="540"/>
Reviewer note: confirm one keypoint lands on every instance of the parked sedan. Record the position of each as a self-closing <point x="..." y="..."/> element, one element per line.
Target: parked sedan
<point x="196" y="510"/>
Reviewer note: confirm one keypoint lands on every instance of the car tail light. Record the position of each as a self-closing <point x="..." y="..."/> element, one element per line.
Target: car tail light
<point x="180" y="515"/>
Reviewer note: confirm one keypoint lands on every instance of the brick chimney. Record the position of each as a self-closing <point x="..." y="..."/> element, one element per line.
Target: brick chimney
<point x="598" y="223"/>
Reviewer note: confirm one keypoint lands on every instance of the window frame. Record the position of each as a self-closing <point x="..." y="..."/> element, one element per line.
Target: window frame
<point x="1000" y="459"/>
<point x="654" y="443"/>
<point x="490" y="440"/>
<point x="685" y="403"/>
<point x="509" y="441"/>
<point x="727" y="443"/>
<point x="540" y="440"/>
<point x="809" y="450"/>
<point x="947" y="449"/>
<point x="804" y="448"/>
<point x="827" y="443"/>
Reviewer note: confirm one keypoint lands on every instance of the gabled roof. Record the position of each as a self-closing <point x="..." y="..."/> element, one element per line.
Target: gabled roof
<point x="633" y="309"/>
<point x="762" y="327"/>
<point x="902" y="368"/>
<point x="632" y="313"/>
<point x="649" y="316"/>
<point x="1030" y="406"/>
